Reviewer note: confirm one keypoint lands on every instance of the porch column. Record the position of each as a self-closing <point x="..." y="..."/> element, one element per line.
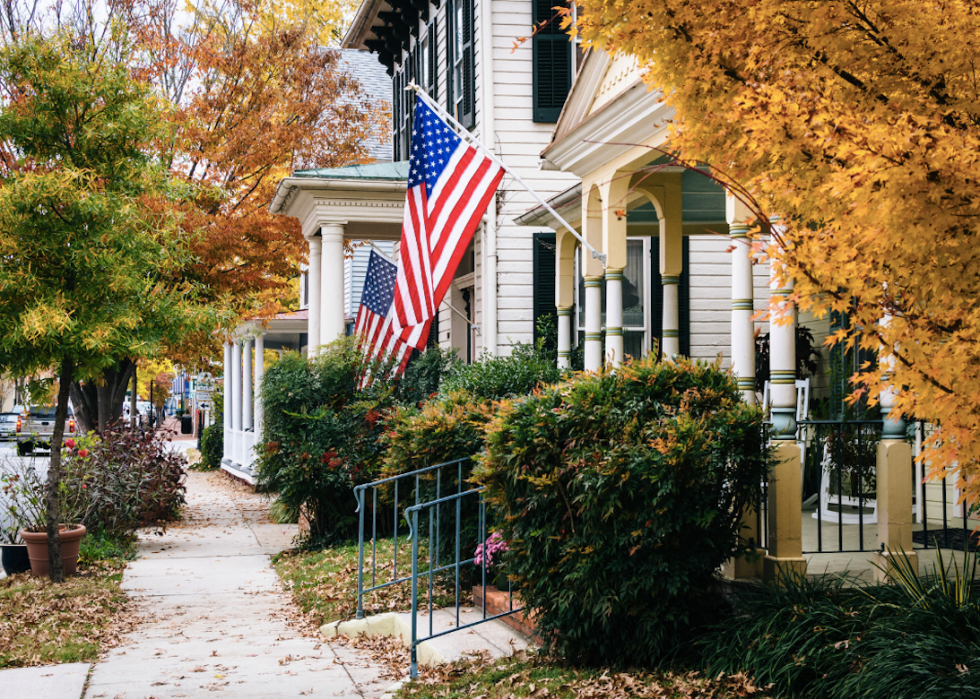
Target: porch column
<point x="247" y="385"/>
<point x="671" y="264"/>
<point x="592" y="226"/>
<point x="564" y="337"/>
<point x="227" y="390"/>
<point x="743" y="328"/>
<point x="236" y="397"/>
<point x="259" y="375"/>
<point x="614" y="188"/>
<point x="565" y="246"/>
<point x="614" y="317"/>
<point x="593" y="323"/>
<point x="332" y="283"/>
<point x="743" y="362"/>
<point x="893" y="471"/>
<point x="313" y="303"/>
<point x="785" y="487"/>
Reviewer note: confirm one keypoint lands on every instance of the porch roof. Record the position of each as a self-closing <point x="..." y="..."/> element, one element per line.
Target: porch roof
<point x="377" y="171"/>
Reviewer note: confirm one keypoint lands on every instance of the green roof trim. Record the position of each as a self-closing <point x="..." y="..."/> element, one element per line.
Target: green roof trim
<point x="377" y="171"/>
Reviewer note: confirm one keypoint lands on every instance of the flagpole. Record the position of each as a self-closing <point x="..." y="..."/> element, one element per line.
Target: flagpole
<point x="472" y="140"/>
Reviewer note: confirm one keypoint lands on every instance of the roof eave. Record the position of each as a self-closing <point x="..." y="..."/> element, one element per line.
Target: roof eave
<point x="290" y="186"/>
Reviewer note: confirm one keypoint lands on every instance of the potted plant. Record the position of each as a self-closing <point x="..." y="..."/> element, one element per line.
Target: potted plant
<point x="25" y="518"/>
<point x="19" y="510"/>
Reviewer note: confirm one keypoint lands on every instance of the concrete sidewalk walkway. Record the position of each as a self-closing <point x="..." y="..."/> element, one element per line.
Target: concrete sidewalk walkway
<point x="217" y="618"/>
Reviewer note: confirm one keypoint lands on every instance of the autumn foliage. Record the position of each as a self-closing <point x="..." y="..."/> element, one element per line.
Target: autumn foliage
<point x="858" y="124"/>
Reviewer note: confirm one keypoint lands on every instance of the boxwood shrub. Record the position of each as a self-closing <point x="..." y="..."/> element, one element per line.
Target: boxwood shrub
<point x="321" y="437"/>
<point x="619" y="494"/>
<point x="500" y="377"/>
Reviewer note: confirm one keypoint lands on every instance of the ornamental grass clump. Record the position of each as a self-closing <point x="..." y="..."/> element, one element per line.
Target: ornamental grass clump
<point x="619" y="495"/>
<point x="841" y="637"/>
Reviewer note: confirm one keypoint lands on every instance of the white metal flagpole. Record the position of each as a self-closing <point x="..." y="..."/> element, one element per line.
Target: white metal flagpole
<point x="475" y="142"/>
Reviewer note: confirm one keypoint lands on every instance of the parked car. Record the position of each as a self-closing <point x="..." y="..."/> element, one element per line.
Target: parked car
<point x="37" y="429"/>
<point x="10" y="424"/>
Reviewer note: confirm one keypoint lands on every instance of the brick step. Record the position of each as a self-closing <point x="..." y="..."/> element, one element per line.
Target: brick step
<point x="499" y="602"/>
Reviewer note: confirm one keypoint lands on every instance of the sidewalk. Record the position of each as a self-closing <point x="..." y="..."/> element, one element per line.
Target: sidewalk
<point x="217" y="618"/>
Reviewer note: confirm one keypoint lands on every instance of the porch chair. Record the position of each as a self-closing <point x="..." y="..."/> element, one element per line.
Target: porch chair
<point x="828" y="498"/>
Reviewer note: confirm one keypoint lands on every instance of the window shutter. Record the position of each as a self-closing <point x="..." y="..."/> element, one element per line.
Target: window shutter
<point x="683" y="299"/>
<point x="432" y="36"/>
<point x="544" y="280"/>
<point x="467" y="115"/>
<point x="552" y="64"/>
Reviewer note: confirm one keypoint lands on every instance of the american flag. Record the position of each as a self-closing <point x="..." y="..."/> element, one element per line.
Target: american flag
<point x="450" y="184"/>
<point x="374" y="323"/>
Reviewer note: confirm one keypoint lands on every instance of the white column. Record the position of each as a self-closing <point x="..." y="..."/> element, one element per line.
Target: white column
<point x="236" y="386"/>
<point x="332" y="283"/>
<point x="614" y="316"/>
<point x="313" y="304"/>
<point x="259" y="375"/>
<point x="785" y="494"/>
<point x="671" y="316"/>
<point x="564" y="337"/>
<point x="228" y="392"/>
<point x="782" y="357"/>
<point x="247" y="385"/>
<point x="593" y="323"/>
<point x="743" y="328"/>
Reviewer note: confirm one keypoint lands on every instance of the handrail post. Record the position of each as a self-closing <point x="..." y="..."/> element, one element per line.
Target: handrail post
<point x="414" y="667"/>
<point x="360" y="554"/>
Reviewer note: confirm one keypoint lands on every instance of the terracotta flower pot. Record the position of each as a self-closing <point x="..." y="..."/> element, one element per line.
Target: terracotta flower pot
<point x="37" y="549"/>
<point x="13" y="558"/>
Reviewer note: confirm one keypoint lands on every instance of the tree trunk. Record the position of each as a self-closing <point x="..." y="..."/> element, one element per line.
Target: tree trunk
<point x="96" y="406"/>
<point x="57" y="570"/>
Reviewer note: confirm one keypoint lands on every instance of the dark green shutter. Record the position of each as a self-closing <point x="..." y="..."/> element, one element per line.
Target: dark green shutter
<point x="683" y="298"/>
<point x="467" y="116"/>
<point x="544" y="279"/>
<point x="551" y="49"/>
<point x="432" y="35"/>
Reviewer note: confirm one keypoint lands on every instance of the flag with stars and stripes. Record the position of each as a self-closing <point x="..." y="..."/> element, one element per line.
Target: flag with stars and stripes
<point x="374" y="324"/>
<point x="450" y="184"/>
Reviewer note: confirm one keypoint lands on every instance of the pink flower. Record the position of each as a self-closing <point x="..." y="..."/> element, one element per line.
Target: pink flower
<point x="83" y="453"/>
<point x="487" y="550"/>
<point x="70" y="443"/>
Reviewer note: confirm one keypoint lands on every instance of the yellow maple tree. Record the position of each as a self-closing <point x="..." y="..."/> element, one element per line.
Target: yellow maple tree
<point x="857" y="123"/>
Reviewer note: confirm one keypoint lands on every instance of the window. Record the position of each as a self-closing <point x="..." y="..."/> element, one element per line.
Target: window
<point x="403" y="102"/>
<point x="461" y="100"/>
<point x="552" y="64"/>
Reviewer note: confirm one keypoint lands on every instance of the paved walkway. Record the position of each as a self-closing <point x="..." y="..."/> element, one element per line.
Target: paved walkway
<point x="217" y="618"/>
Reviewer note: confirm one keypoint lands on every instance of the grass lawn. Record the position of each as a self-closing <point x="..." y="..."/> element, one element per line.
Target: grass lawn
<point x="532" y="675"/>
<point x="324" y="583"/>
<point x="43" y="623"/>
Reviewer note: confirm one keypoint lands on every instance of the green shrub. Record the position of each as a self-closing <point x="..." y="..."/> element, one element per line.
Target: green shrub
<point x="501" y="377"/>
<point x="213" y="439"/>
<point x="322" y="436"/>
<point x="424" y="374"/>
<point x="840" y="637"/>
<point x="620" y="497"/>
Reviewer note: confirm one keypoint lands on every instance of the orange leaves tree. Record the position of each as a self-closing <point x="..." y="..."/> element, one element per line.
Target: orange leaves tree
<point x="256" y="97"/>
<point x="858" y="123"/>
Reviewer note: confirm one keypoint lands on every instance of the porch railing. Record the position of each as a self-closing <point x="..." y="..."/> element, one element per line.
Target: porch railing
<point x="430" y="511"/>
<point x="405" y="485"/>
<point x="844" y="454"/>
